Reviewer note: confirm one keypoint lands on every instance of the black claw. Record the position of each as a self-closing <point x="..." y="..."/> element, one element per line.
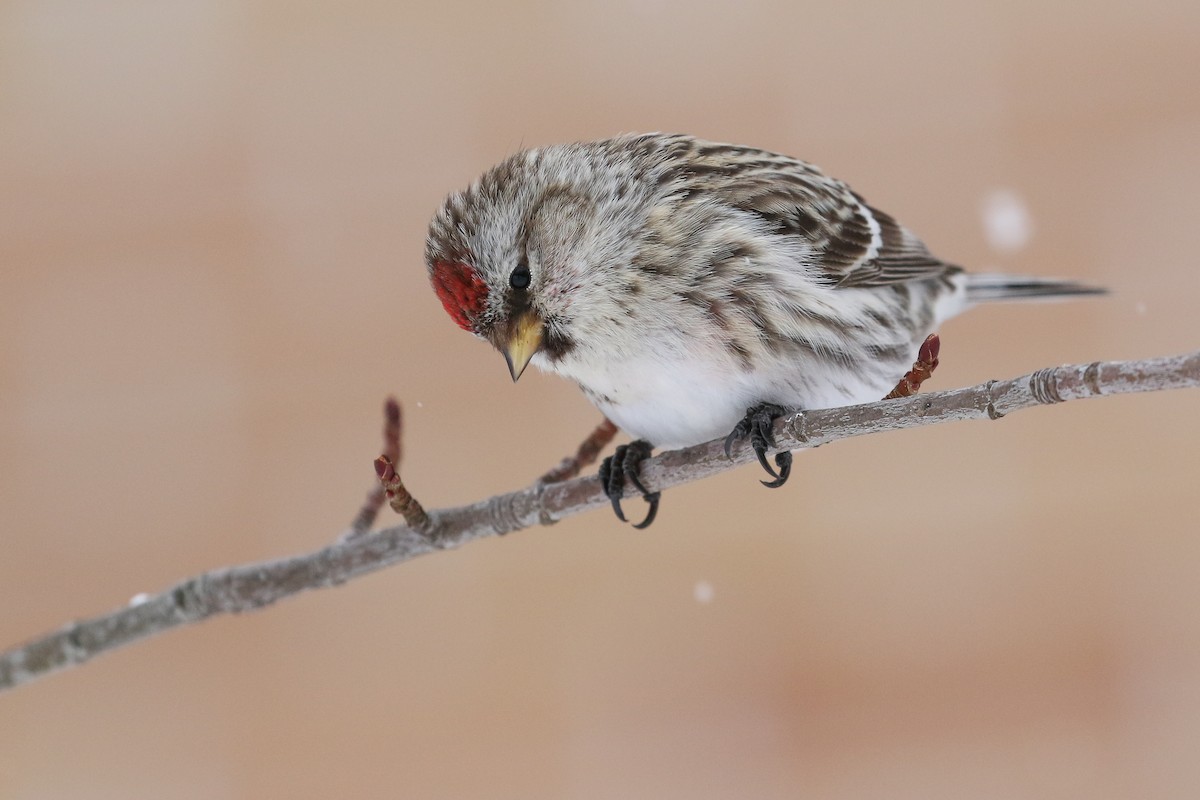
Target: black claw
<point x="784" y="462"/>
<point x="652" y="499"/>
<point x="616" y="504"/>
<point x="612" y="481"/>
<point x="761" y="452"/>
<point x="737" y="434"/>
<point x="623" y="466"/>
<point x="758" y="426"/>
<point x="638" y="452"/>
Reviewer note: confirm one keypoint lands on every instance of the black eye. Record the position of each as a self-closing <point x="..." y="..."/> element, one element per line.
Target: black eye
<point x="519" y="278"/>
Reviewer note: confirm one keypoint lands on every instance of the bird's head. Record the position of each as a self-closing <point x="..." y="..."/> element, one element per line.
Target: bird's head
<point x="501" y="312"/>
<point x="521" y="257"/>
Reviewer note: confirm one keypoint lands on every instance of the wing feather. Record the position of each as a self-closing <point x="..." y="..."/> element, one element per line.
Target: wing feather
<point x="856" y="245"/>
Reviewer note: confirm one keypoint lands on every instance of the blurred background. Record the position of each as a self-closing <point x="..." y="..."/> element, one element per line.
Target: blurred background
<point x="211" y="228"/>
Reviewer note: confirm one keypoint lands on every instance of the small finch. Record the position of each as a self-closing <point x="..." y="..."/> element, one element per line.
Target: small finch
<point x="695" y="290"/>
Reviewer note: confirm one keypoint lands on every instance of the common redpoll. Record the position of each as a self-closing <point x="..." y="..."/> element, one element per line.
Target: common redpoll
<point x="692" y="289"/>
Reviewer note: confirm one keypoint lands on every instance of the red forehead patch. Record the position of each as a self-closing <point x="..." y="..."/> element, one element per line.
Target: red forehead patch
<point x="462" y="293"/>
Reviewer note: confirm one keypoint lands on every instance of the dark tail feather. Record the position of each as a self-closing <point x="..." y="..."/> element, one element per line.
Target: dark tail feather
<point x="991" y="287"/>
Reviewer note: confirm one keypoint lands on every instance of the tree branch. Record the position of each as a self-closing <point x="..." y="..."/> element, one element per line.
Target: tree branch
<point x="253" y="586"/>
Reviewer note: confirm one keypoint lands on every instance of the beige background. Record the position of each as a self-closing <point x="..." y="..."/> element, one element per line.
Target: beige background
<point x="211" y="222"/>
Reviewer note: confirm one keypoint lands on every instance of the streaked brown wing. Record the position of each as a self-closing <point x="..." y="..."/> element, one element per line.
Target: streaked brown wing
<point x="797" y="199"/>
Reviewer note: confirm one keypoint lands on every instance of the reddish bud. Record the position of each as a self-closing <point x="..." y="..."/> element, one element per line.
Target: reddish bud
<point x="383" y="468"/>
<point x="930" y="350"/>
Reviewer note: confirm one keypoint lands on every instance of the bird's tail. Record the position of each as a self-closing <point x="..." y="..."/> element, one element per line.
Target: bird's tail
<point x="988" y="287"/>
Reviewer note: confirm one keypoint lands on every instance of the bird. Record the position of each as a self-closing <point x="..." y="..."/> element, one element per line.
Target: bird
<point x="695" y="289"/>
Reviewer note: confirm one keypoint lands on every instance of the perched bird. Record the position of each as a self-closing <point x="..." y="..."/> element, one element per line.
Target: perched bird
<point x="693" y="289"/>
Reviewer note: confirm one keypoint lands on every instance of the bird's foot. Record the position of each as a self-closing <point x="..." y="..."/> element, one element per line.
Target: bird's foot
<point x="622" y="466"/>
<point x="922" y="368"/>
<point x="757" y="425"/>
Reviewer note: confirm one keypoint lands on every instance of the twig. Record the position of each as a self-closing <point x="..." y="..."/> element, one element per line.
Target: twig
<point x="392" y="429"/>
<point x="398" y="495"/>
<point x="245" y="588"/>
<point x="571" y="466"/>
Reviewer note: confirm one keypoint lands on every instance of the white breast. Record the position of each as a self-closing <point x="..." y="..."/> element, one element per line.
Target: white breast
<point x="686" y="402"/>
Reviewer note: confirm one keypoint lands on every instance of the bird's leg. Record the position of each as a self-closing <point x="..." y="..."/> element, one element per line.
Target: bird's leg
<point x="622" y="466"/>
<point x="757" y="425"/>
<point x="571" y="466"/>
<point x="922" y="368"/>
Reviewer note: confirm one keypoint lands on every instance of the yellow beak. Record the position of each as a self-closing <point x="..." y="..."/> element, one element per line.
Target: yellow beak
<point x="524" y="339"/>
